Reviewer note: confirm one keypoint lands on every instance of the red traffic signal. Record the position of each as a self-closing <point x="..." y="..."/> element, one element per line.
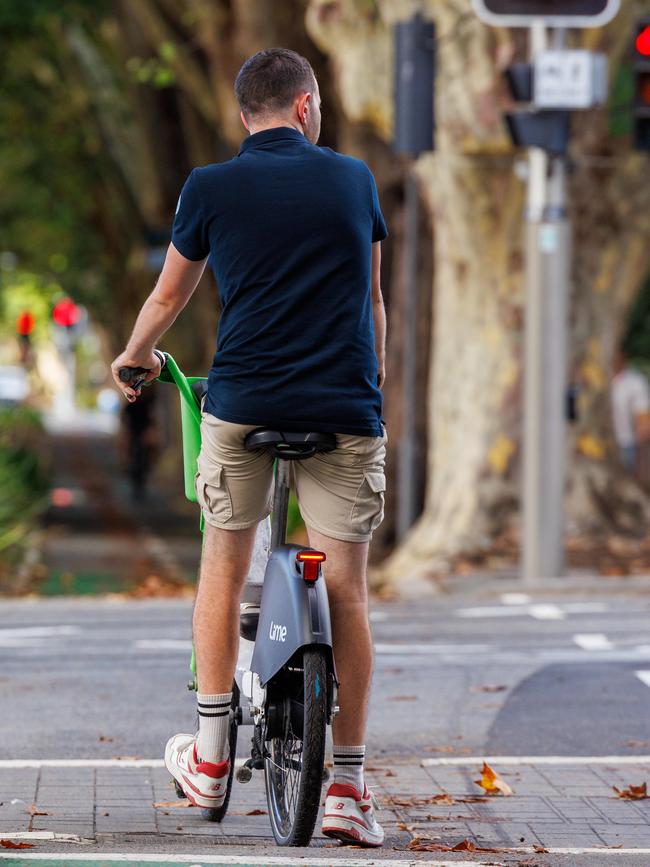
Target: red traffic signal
<point x="642" y="43"/>
<point x="25" y="323"/>
<point x="65" y="313"/>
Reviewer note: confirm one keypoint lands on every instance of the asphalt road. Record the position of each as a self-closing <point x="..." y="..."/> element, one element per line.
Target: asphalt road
<point x="97" y="678"/>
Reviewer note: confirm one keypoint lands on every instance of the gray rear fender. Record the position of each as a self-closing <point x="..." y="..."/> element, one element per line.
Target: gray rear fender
<point x="293" y="614"/>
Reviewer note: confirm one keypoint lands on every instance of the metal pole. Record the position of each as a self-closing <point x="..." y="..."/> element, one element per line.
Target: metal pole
<point x="555" y="242"/>
<point x="406" y="490"/>
<point x="547" y="290"/>
<point x="533" y="363"/>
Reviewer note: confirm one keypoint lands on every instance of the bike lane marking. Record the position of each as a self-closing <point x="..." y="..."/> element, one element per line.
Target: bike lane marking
<point x="471" y="761"/>
<point x="107" y="859"/>
<point x="91" y="860"/>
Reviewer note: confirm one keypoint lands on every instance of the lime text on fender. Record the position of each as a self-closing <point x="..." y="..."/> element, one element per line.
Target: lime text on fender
<point x="277" y="632"/>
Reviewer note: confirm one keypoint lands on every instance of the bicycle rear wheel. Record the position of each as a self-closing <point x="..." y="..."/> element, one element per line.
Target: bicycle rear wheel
<point x="295" y="747"/>
<point x="217" y="814"/>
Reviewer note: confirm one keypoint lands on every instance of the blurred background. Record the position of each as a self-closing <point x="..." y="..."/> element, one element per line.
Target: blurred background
<point x="105" y="107"/>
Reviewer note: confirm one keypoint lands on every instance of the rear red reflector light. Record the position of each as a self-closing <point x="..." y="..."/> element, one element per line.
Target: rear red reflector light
<point x="311" y="561"/>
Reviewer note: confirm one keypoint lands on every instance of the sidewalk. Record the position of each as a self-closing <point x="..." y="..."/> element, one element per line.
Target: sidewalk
<point x="569" y="805"/>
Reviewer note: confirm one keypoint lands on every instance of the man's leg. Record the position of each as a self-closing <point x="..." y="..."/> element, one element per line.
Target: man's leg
<point x="225" y="562"/>
<point x="345" y="573"/>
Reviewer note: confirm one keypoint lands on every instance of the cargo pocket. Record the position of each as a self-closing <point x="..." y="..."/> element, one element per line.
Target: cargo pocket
<point x="368" y="509"/>
<point x="212" y="493"/>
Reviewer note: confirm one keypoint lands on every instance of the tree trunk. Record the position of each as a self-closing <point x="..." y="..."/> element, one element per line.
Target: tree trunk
<point x="476" y="201"/>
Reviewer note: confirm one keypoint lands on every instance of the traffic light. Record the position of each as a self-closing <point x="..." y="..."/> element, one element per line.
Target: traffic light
<point x="641" y="72"/>
<point x="554" y="13"/>
<point x="66" y="313"/>
<point x="414" y="88"/>
<point x="25" y="324"/>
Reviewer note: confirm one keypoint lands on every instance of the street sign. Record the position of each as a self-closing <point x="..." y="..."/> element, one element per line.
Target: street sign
<point x="552" y="13"/>
<point x="569" y="79"/>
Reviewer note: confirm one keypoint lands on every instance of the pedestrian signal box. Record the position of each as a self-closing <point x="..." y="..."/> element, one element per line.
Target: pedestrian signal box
<point x="641" y="72"/>
<point x="552" y="13"/>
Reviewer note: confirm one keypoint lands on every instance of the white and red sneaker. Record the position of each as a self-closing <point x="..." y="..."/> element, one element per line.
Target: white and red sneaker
<point x="204" y="783"/>
<point x="350" y="816"/>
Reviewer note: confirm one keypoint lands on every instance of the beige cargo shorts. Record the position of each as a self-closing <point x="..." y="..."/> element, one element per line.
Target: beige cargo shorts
<point x="340" y="493"/>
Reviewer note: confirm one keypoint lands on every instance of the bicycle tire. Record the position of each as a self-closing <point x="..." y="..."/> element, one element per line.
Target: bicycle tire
<point x="217" y="814"/>
<point x="293" y="804"/>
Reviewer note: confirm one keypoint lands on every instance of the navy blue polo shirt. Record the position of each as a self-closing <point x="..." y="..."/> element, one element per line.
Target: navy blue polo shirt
<point x="289" y="227"/>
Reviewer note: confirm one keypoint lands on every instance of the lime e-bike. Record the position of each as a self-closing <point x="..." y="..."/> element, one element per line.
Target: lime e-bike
<point x="285" y="681"/>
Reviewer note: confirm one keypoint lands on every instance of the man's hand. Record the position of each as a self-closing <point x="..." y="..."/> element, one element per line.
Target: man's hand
<point x="150" y="362"/>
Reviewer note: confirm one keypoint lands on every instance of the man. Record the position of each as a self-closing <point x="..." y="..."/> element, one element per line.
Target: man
<point x="293" y="232"/>
<point x="631" y="413"/>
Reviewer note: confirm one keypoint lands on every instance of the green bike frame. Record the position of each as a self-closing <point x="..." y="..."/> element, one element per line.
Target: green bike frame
<point x="191" y="434"/>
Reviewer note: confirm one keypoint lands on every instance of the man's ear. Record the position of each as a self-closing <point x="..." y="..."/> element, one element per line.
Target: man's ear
<point x="244" y="121"/>
<point x="303" y="101"/>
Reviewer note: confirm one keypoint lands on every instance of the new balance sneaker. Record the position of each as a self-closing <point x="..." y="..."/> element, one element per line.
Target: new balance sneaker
<point x="350" y="816"/>
<point x="204" y="783"/>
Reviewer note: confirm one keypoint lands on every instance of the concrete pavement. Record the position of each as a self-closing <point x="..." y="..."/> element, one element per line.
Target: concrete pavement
<point x="537" y="685"/>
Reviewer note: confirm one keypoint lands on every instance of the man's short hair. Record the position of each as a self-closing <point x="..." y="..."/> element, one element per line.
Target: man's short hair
<point x="270" y="80"/>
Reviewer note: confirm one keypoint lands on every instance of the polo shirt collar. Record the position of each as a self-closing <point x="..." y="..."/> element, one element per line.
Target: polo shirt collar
<point x="277" y="133"/>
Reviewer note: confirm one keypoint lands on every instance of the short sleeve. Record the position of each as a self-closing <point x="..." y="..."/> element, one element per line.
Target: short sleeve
<point x="641" y="395"/>
<point x="379" y="230"/>
<point x="189" y="234"/>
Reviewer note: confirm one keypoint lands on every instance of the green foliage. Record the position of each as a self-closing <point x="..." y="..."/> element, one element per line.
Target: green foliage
<point x="621" y="101"/>
<point x="23" y="478"/>
<point x="49" y="143"/>
<point x="636" y="341"/>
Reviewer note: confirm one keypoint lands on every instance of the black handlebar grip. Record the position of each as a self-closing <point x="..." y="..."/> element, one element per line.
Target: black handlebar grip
<point x="127" y="374"/>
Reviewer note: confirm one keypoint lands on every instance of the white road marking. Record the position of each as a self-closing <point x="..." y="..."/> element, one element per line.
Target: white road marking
<point x="82" y="763"/>
<point x="163" y="644"/>
<point x="378" y="616"/>
<point x="88" y="763"/>
<point x="263" y="860"/>
<point x="50" y="836"/>
<point x="38" y="631"/>
<point x="462" y="761"/>
<point x="592" y="641"/>
<point x="644" y="677"/>
<point x="515" y="598"/>
<point x="409" y="649"/>
<point x="517" y="604"/>
<point x="546" y="611"/>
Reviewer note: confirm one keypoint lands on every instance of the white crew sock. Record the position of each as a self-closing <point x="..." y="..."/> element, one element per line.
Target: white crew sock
<point x="214" y="724"/>
<point x="348" y="766"/>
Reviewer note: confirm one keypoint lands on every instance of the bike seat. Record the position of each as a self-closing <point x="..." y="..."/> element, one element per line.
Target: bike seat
<point x="289" y="445"/>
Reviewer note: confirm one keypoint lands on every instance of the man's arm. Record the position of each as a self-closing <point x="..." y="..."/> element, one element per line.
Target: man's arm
<point x="178" y="280"/>
<point x="378" y="313"/>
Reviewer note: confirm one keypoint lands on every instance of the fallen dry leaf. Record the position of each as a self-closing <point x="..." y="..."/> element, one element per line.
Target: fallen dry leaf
<point x="540" y="850"/>
<point x="257" y="812"/>
<point x="105" y="740"/>
<point x="179" y="802"/>
<point x="489" y="687"/>
<point x="425" y="844"/>
<point x="468" y="846"/>
<point x="390" y="774"/>
<point x="632" y="793"/>
<point x="34" y="811"/>
<point x="402" y="698"/>
<point x="444" y="799"/>
<point x="9" y="844"/>
<point x="633" y="743"/>
<point x="492" y="783"/>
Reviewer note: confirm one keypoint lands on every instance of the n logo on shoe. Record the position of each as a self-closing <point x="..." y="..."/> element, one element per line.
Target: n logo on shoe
<point x="277" y="632"/>
<point x="339" y="806"/>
